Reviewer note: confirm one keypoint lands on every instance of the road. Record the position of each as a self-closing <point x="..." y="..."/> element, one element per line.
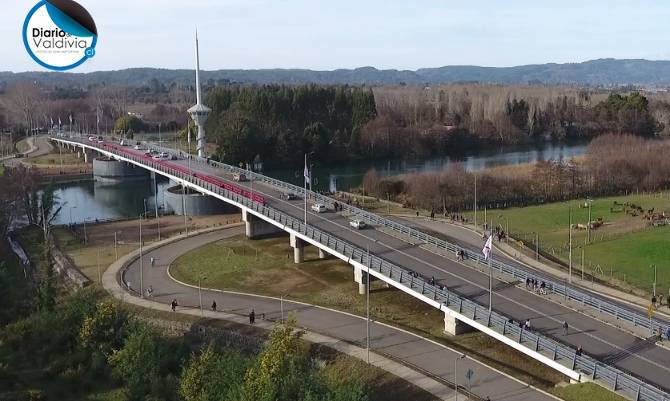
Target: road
<point x="604" y="342"/>
<point x="427" y="355"/>
<point x="39" y="146"/>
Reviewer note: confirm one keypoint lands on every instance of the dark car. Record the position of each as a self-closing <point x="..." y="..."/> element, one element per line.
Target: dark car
<point x="289" y="196"/>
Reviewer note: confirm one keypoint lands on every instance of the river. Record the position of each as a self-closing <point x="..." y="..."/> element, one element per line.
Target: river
<point x="90" y="201"/>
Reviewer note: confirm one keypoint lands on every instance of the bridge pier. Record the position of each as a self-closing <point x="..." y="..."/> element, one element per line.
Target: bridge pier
<point x="255" y="227"/>
<point x="453" y="326"/>
<point x="322" y="254"/>
<point x="298" y="249"/>
<point x="361" y="278"/>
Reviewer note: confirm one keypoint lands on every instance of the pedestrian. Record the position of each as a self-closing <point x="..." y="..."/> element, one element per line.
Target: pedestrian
<point x="130" y="287"/>
<point x="527" y="282"/>
<point x="565" y="328"/>
<point x="214" y="306"/>
<point x="579" y="351"/>
<point x="653" y="300"/>
<point x="150" y="291"/>
<point x="527" y="324"/>
<point x="174" y="305"/>
<point x="252" y="317"/>
<point x="667" y="333"/>
<point x="543" y="288"/>
<point x="152" y="261"/>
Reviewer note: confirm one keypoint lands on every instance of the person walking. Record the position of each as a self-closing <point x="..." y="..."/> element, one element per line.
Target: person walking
<point x="527" y="324"/>
<point x="174" y="305"/>
<point x="214" y="306"/>
<point x="130" y="287"/>
<point x="579" y="351"/>
<point x="565" y="328"/>
<point x="153" y="260"/>
<point x="252" y="317"/>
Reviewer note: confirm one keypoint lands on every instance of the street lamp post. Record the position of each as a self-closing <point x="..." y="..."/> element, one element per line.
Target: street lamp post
<point x="654" y="291"/>
<point x="367" y="305"/>
<point x="200" y="278"/>
<point x="588" y="226"/>
<point x="570" y="245"/>
<point x="141" y="263"/>
<point x="116" y="251"/>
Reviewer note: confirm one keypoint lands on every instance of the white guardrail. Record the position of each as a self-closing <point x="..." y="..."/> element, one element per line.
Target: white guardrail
<point x="546" y="350"/>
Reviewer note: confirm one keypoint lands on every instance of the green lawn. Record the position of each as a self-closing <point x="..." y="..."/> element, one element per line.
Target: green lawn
<point x="624" y="246"/>
<point x="585" y="391"/>
<point x="54" y="159"/>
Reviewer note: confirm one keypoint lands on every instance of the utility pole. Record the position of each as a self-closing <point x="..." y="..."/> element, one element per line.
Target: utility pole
<point x="158" y="221"/>
<point x="305" y="173"/>
<point x="570" y="246"/>
<point x="654" y="266"/>
<point x="588" y="226"/>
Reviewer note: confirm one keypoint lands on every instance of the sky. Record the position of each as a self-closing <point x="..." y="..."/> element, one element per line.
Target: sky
<point x="326" y="35"/>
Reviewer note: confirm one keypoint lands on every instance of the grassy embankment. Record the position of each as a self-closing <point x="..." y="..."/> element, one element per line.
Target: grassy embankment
<point x="621" y="250"/>
<point x="266" y="267"/>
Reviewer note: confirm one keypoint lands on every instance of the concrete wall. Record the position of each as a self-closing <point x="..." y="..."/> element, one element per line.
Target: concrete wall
<point x="197" y="204"/>
<point x="110" y="171"/>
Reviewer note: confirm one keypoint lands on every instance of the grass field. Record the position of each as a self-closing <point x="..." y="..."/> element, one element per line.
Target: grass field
<point x="585" y="391"/>
<point x="266" y="267"/>
<point x="623" y="247"/>
<point x="54" y="159"/>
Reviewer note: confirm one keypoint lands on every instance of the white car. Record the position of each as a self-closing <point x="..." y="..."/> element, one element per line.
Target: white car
<point x="358" y="224"/>
<point x="319" y="207"/>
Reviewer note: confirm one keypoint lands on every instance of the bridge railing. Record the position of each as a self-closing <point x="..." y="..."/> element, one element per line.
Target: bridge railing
<point x="608" y="376"/>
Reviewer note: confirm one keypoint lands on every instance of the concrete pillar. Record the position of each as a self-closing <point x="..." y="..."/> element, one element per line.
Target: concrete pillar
<point x="256" y="227"/>
<point x="453" y="326"/>
<point x="322" y="254"/>
<point x="298" y="249"/>
<point x="361" y="278"/>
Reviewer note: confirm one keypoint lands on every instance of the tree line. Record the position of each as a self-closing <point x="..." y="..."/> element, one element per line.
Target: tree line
<point x="91" y="344"/>
<point x="613" y="165"/>
<point x="280" y="123"/>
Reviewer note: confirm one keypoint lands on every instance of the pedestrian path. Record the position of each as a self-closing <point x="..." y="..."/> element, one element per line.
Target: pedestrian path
<point x="425" y="363"/>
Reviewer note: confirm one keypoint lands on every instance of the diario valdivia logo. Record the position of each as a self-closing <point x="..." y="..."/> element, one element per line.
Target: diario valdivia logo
<point x="59" y="34"/>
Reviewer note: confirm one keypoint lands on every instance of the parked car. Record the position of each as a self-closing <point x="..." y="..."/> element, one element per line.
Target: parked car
<point x="358" y="224"/>
<point x="239" y="177"/>
<point x="319" y="207"/>
<point x="288" y="196"/>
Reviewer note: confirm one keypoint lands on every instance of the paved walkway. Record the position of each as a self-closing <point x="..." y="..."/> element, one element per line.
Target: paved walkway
<point x="434" y="363"/>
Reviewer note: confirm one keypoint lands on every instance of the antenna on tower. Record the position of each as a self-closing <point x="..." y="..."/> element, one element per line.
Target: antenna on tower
<point x="197" y="69"/>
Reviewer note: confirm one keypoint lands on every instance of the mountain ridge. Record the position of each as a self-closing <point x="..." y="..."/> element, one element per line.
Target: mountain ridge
<point x="600" y="72"/>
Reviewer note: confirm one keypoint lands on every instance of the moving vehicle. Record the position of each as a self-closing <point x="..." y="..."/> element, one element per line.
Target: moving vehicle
<point x="289" y="196"/>
<point x="137" y="147"/>
<point x="358" y="224"/>
<point x="319" y="207"/>
<point x="239" y="177"/>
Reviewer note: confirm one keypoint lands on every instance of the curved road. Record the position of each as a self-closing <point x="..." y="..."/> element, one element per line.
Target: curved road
<point x="427" y="355"/>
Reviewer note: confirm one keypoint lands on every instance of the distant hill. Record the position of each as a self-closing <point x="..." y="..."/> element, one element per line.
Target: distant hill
<point x="602" y="72"/>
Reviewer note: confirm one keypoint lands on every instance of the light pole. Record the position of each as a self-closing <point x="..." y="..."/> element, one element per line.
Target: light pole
<point x="475" y="200"/>
<point x="570" y="245"/>
<point x="141" y="263"/>
<point x="85" y="236"/>
<point x="367" y="305"/>
<point x="71" y="207"/>
<point x="588" y="226"/>
<point x="116" y="251"/>
<point x="654" y="266"/>
<point x="461" y="356"/>
<point x="200" y="278"/>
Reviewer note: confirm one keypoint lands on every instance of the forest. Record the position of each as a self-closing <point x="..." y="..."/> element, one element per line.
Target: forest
<point x="340" y="123"/>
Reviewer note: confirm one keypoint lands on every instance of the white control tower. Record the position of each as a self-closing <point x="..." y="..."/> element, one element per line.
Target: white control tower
<point x="199" y="112"/>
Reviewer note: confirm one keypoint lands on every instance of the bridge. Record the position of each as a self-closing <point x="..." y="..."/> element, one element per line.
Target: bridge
<point x="426" y="268"/>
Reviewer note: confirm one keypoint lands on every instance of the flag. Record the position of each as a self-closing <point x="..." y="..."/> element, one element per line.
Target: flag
<point x="306" y="173"/>
<point x="488" y="247"/>
<point x="59" y="123"/>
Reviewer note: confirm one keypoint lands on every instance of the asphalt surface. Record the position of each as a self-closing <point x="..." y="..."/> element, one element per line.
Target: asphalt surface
<point x="427" y="355"/>
<point x="604" y="342"/>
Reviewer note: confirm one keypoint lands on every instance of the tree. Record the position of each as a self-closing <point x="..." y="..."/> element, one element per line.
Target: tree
<point x="105" y="329"/>
<point x="141" y="362"/>
<point x="128" y="125"/>
<point x="211" y="375"/>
